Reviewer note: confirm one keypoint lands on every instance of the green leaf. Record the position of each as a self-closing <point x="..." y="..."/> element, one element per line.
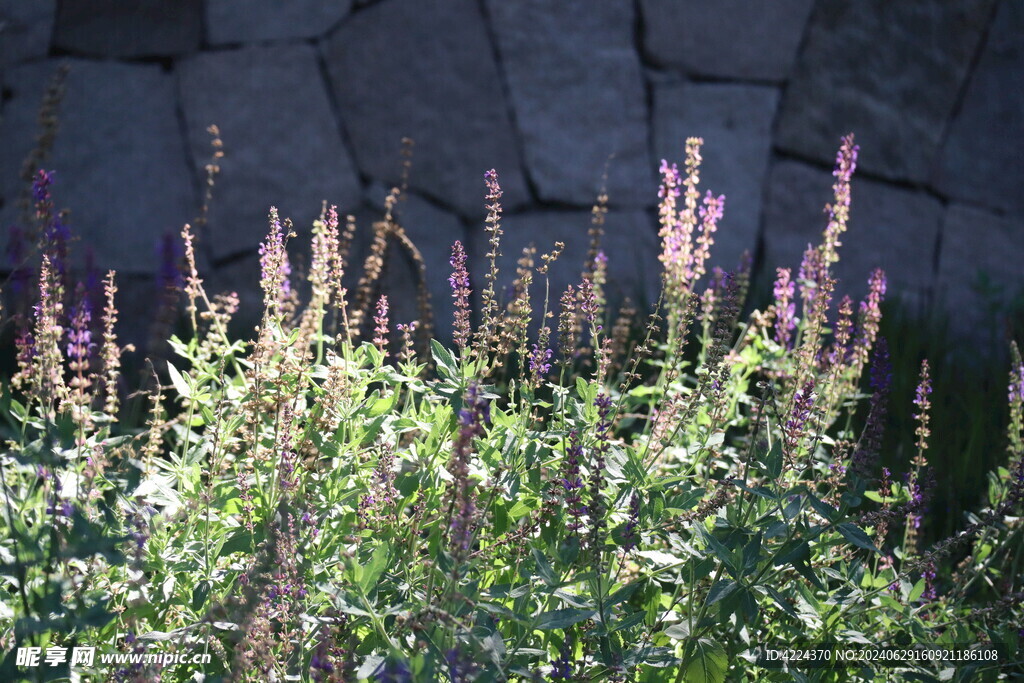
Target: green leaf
<point x="199" y="595"/>
<point x="721" y="552"/>
<point x="751" y="554"/>
<point x="708" y="663"/>
<point x="822" y="508"/>
<point x="855" y="535"/>
<point x="544" y="569"/>
<point x="773" y="460"/>
<point x="680" y="631"/>
<point x="444" y="359"/>
<point x="383" y="405"/>
<point x="563" y="618"/>
<point x="373" y="570"/>
<point x="720" y="591"/>
<point x="917" y="591"/>
<point x="781" y="601"/>
<point x="180" y="385"/>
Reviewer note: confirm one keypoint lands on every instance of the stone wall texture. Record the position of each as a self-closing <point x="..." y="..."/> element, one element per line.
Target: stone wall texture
<point x="313" y="100"/>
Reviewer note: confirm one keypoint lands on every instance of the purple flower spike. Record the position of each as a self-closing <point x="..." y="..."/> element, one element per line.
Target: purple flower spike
<point x="540" y="362"/>
<point x="461" y="291"/>
<point x="785" y="307"/>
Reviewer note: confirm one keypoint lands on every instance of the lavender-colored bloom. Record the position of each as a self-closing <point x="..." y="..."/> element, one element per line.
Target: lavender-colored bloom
<point x="562" y="668"/>
<point x="56" y="237"/>
<point x="80" y="345"/>
<point x="540" y="362"/>
<point x="597" y="507"/>
<point x="461" y="291"/>
<point x="923" y="403"/>
<point x="803" y="403"/>
<point x="870" y="444"/>
<point x="275" y="268"/>
<point x="870" y="316"/>
<point x="811" y="275"/>
<point x="587" y="300"/>
<point x="380" y="330"/>
<point x="881" y="368"/>
<point x="55" y="232"/>
<point x="460" y="668"/>
<point x="170" y="253"/>
<point x="929" y="581"/>
<point x="572" y="483"/>
<point x="1015" y="389"/>
<point x="320" y="665"/>
<point x="41" y="186"/>
<point x="472" y="419"/>
<point x="395" y="671"/>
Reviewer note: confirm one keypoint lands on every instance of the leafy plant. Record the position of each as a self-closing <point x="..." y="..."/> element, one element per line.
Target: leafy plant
<point x="326" y="503"/>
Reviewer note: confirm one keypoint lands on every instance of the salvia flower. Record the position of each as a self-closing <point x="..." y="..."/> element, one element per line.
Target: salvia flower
<point x="489" y="305"/>
<point x="587" y="299"/>
<point x="870" y="444"/>
<point x="839" y="209"/>
<point x="568" y="328"/>
<point x="80" y="346"/>
<point x="1015" y="391"/>
<point x="380" y="329"/>
<point x="408" y="352"/>
<point x="572" y="483"/>
<point x="540" y="362"/>
<point x="929" y="582"/>
<point x="170" y="253"/>
<point x="869" y="318"/>
<point x="812" y="273"/>
<point x="785" y="307"/>
<point x="111" y="351"/>
<point x="562" y="668"/>
<point x="41" y="189"/>
<point x="47" y="371"/>
<point x="275" y="267"/>
<point x="472" y="419"/>
<point x="923" y="403"/>
<point x="710" y="213"/>
<point x="461" y="291"/>
<point x="843" y="332"/>
<point x="803" y="404"/>
<point x="597" y="507"/>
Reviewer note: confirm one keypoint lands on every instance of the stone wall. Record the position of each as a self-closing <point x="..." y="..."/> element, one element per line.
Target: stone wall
<point x="313" y="98"/>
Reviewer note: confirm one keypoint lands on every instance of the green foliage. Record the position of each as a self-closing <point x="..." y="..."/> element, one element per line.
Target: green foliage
<point x="306" y="506"/>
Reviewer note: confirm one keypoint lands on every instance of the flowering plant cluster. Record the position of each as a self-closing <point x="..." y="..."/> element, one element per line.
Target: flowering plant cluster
<point x="344" y="498"/>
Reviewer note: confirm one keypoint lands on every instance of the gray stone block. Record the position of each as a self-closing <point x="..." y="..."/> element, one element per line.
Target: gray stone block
<point x="577" y="91"/>
<point x="888" y="71"/>
<point x="735" y="122"/>
<point x="889" y="228"/>
<point x="19" y="128"/>
<point x="119" y="158"/>
<point x="981" y="160"/>
<point x="115" y="28"/>
<point x="439" y="85"/>
<point x="630" y="242"/>
<point x="282" y="144"/>
<point x="25" y="29"/>
<point x="238" y="21"/>
<point x="737" y="39"/>
<point x="979" y="279"/>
